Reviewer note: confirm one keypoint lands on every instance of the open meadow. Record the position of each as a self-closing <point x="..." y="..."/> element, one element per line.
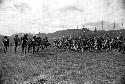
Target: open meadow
<point x="52" y="66"/>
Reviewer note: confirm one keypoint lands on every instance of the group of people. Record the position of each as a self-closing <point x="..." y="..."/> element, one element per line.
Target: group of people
<point x="95" y="43"/>
<point x="27" y="44"/>
<point x="78" y="43"/>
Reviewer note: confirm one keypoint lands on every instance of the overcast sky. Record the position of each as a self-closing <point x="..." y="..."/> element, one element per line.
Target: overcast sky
<point x="33" y="16"/>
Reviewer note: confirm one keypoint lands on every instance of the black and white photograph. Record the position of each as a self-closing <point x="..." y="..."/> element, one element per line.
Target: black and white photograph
<point x="62" y="41"/>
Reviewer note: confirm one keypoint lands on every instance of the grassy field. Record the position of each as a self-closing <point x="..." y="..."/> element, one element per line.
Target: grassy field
<point x="62" y="67"/>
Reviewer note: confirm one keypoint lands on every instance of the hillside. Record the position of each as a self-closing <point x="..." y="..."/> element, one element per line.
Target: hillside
<point x="68" y="32"/>
<point x="73" y="33"/>
<point x="85" y="32"/>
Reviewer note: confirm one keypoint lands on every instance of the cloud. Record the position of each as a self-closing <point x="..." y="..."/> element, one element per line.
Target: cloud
<point x="115" y="4"/>
<point x="71" y="8"/>
<point x="22" y="7"/>
<point x="1" y="1"/>
<point x="122" y="3"/>
<point x="53" y="15"/>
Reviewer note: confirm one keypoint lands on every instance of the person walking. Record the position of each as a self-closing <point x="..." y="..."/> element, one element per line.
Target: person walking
<point x="5" y="44"/>
<point x="16" y="41"/>
<point x="24" y="43"/>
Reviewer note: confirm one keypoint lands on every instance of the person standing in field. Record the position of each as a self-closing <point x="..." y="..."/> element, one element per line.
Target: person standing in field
<point x="16" y="41"/>
<point x="5" y="44"/>
<point x="34" y="43"/>
<point x="24" y="40"/>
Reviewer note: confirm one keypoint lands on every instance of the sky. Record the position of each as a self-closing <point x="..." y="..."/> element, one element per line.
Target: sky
<point x="47" y="16"/>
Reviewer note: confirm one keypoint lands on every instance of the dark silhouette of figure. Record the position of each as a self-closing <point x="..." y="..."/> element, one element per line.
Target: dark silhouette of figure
<point x="5" y="44"/>
<point x="16" y="41"/>
<point x="46" y="42"/>
<point x="34" y="43"/>
<point x="24" y="40"/>
<point x="29" y="44"/>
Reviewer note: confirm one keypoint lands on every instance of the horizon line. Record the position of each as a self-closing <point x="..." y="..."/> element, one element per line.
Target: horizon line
<point x="59" y="31"/>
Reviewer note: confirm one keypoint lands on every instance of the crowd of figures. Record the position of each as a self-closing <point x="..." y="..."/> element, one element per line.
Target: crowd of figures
<point x="78" y="43"/>
<point x="95" y="44"/>
<point x="27" y="44"/>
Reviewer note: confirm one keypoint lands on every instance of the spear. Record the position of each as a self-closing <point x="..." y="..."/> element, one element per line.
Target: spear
<point x="122" y="24"/>
<point x="85" y="19"/>
<point x="102" y="24"/>
<point x="102" y="27"/>
<point x="114" y="25"/>
<point x="77" y="30"/>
